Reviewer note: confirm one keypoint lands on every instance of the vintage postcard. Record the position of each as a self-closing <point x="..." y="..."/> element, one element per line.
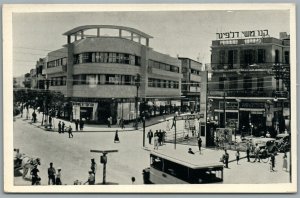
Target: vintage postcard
<point x="165" y="98"/>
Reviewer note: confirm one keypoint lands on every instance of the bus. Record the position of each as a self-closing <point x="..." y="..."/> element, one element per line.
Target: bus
<point x="183" y="168"/>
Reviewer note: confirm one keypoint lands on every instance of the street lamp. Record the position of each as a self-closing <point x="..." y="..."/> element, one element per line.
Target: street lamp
<point x="137" y="81"/>
<point x="238" y="122"/>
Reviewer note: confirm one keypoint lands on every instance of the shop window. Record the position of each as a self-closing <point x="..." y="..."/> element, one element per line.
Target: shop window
<point x="261" y="56"/>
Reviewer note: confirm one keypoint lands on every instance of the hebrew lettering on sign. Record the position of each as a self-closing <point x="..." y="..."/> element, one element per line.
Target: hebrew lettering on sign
<point x="244" y="34"/>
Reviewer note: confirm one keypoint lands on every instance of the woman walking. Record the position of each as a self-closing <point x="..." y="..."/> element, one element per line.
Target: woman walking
<point x="284" y="165"/>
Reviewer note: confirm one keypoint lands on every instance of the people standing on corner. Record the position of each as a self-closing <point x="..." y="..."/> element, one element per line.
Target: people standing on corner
<point x="58" y="177"/>
<point x="93" y="166"/>
<point x="150" y="136"/>
<point x="59" y="127"/>
<point x="237" y="156"/>
<point x="76" y="124"/>
<point x="51" y="174"/>
<point x="63" y="127"/>
<point x="70" y="132"/>
<point x="199" y="144"/>
<point x="116" y="140"/>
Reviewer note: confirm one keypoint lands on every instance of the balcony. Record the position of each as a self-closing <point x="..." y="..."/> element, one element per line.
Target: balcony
<point x="243" y="67"/>
<point x="249" y="93"/>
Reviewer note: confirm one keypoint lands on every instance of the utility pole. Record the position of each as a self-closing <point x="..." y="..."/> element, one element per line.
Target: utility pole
<point x="137" y="84"/>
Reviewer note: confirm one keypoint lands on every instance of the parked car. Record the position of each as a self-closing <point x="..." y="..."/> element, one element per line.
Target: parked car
<point x="267" y="144"/>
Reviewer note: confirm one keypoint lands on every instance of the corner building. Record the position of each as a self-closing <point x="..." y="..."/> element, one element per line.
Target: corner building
<point x="243" y="86"/>
<point x="96" y="71"/>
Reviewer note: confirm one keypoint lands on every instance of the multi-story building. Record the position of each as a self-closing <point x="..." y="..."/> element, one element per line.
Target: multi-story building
<point x="243" y="92"/>
<point x="97" y="71"/>
<point x="190" y="84"/>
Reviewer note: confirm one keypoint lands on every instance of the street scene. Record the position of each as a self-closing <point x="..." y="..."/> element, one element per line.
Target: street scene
<point x="196" y="97"/>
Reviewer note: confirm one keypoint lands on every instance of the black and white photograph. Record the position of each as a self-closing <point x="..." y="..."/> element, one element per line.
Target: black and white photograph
<point x="150" y="98"/>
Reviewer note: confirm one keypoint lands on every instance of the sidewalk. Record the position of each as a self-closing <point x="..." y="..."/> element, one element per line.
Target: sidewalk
<point x="92" y="127"/>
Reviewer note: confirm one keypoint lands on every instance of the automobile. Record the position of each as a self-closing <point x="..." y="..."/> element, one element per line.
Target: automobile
<point x="265" y="143"/>
<point x="282" y="142"/>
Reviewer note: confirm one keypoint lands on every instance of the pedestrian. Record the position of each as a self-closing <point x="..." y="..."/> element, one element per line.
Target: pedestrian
<point x="18" y="158"/>
<point x="51" y="174"/>
<point x="248" y="153"/>
<point x="273" y="161"/>
<point x="50" y="121"/>
<point x="116" y="137"/>
<point x="150" y="136"/>
<point x="63" y="127"/>
<point x="237" y="156"/>
<point x="159" y="137"/>
<point x="199" y="144"/>
<point x="122" y="123"/>
<point x="163" y="137"/>
<point x="70" y="132"/>
<point x="58" y="177"/>
<point x="155" y="141"/>
<point x="91" y="178"/>
<point x="76" y="124"/>
<point x="93" y="166"/>
<point x="81" y="124"/>
<point x="226" y="159"/>
<point x="21" y="111"/>
<point x="35" y="179"/>
<point x="110" y="121"/>
<point x="34" y="116"/>
<point x="59" y="127"/>
<point x="190" y="151"/>
<point x="284" y="165"/>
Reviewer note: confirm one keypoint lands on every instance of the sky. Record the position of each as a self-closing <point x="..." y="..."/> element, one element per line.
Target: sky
<point x="184" y="33"/>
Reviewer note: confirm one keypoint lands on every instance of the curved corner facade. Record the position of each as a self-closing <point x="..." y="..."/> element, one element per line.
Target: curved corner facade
<point x="97" y="73"/>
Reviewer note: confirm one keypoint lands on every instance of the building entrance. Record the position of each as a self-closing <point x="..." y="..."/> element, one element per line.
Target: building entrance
<point x="104" y="112"/>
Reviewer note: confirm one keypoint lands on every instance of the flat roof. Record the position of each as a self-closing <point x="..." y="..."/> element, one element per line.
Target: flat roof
<point x="86" y="27"/>
<point x="194" y="161"/>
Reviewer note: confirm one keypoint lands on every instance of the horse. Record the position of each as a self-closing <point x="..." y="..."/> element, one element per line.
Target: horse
<point x="28" y="164"/>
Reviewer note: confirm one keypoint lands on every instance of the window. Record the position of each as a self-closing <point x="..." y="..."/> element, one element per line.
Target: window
<point x="137" y="61"/>
<point x="261" y="56"/>
<point x="168" y="67"/>
<point x="287" y="57"/>
<point x="247" y="82"/>
<point x="260" y="84"/>
<point x="233" y="84"/>
<point x="150" y="63"/>
<point x="150" y="82"/>
<point x="158" y="83"/>
<point x="276" y="56"/>
<point x="221" y="82"/>
<point x="162" y="66"/>
<point x="164" y="84"/>
<point x="222" y="56"/>
<point x="249" y="57"/>
<point x="232" y="57"/>
<point x="128" y="80"/>
<point x="156" y="65"/>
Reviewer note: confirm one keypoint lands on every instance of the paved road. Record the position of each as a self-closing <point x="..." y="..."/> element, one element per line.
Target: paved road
<point x="73" y="156"/>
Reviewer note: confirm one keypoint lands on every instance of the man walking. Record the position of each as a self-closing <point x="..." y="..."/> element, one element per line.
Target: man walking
<point x="150" y="136"/>
<point x="199" y="144"/>
<point x="226" y="159"/>
<point x="59" y="127"/>
<point x="34" y="175"/>
<point x="81" y="123"/>
<point x="272" y="161"/>
<point x="51" y="174"/>
<point x="70" y="132"/>
<point x="93" y="166"/>
<point x="248" y="153"/>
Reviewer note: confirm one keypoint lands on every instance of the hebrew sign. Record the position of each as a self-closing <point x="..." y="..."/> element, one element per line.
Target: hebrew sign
<point x="243" y="34"/>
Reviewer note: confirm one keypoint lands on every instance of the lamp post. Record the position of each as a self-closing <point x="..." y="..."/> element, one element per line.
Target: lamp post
<point x="137" y="82"/>
<point x="238" y="122"/>
<point x="276" y="114"/>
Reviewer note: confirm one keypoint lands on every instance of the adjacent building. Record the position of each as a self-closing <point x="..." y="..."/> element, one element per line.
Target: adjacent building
<point x="190" y="84"/>
<point x="97" y="71"/>
<point x="243" y="93"/>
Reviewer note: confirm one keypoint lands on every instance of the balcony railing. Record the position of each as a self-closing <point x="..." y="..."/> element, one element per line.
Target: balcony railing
<point x="249" y="93"/>
<point x="242" y="67"/>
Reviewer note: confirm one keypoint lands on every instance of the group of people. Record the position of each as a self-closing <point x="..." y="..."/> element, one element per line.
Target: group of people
<point x="159" y="137"/>
<point x="79" y="123"/>
<point x="62" y="129"/>
<point x="92" y="172"/>
<point x="54" y="178"/>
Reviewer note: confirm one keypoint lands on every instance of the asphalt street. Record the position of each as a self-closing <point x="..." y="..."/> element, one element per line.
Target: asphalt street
<point x="73" y="156"/>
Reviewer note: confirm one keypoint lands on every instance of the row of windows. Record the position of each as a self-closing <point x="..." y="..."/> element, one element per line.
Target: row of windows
<point x="247" y="83"/>
<point x="107" y="57"/>
<point x="248" y="56"/>
<point x="162" y="66"/>
<point x="103" y="79"/>
<point x="194" y="84"/>
<point x="58" y="62"/>
<point x="195" y="72"/>
<point x="59" y="81"/>
<point x="153" y="82"/>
